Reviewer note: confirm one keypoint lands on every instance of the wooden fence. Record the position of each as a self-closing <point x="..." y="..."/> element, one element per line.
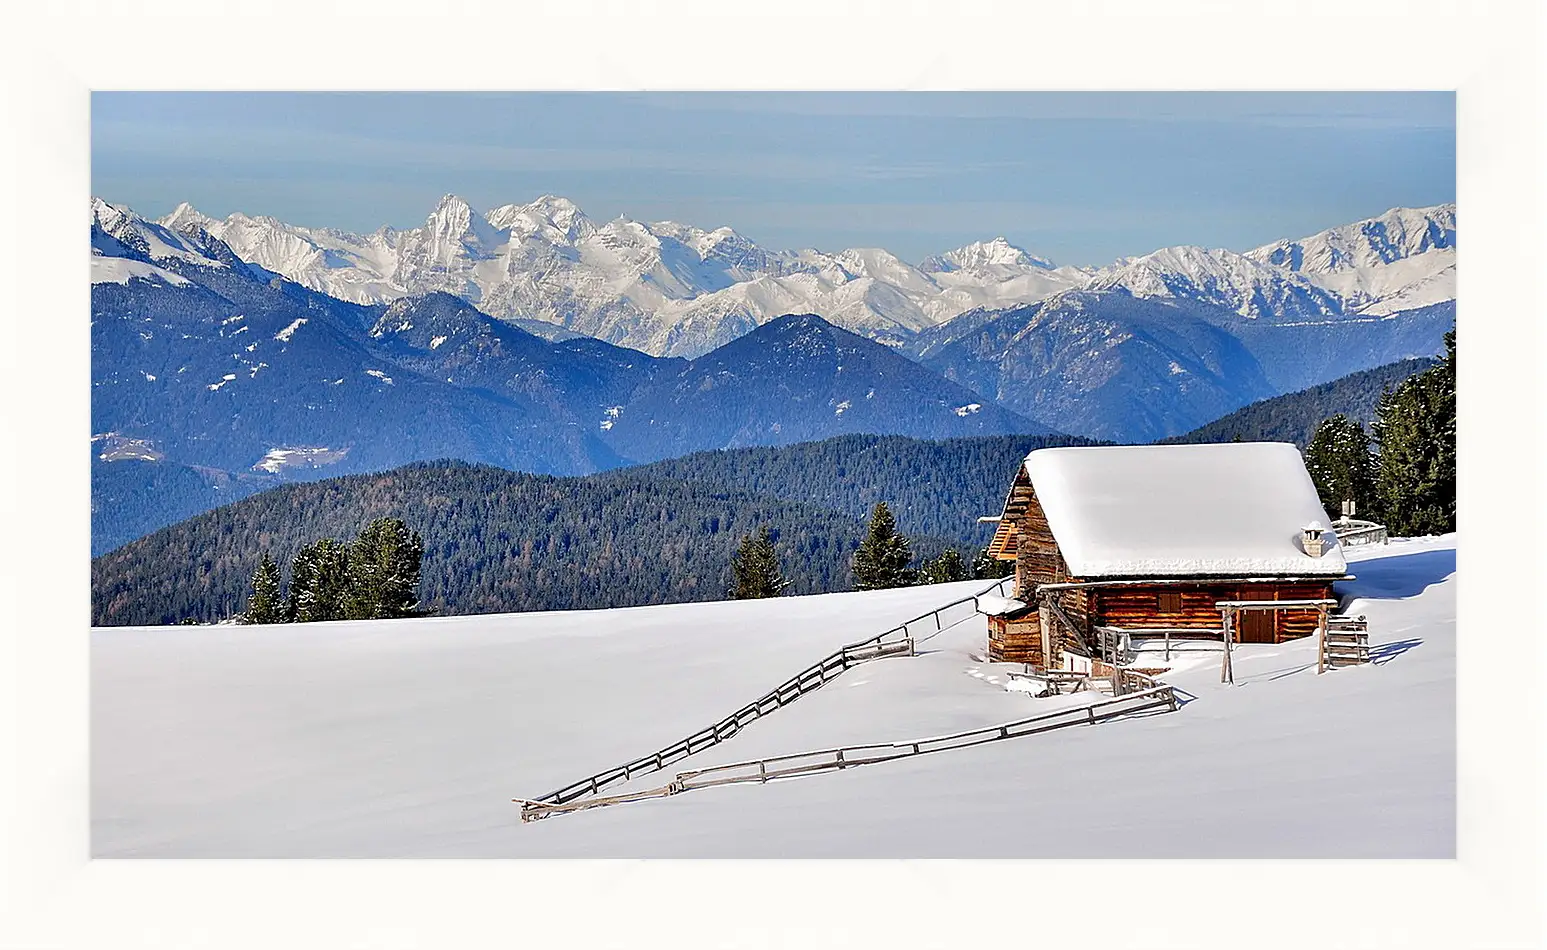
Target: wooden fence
<point x="1350" y="532"/>
<point x="901" y="640"/>
<point x="1346" y="642"/>
<point x="1160" y="697"/>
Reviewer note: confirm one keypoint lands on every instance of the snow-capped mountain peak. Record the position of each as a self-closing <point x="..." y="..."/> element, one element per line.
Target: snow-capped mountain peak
<point x="455" y="221"/>
<point x="998" y="258"/>
<point x="1397" y="234"/>
<point x="1398" y="260"/>
<point x="185" y="216"/>
<point x="1220" y="277"/>
<point x="147" y="238"/>
<point x="551" y="218"/>
<point x="670" y="288"/>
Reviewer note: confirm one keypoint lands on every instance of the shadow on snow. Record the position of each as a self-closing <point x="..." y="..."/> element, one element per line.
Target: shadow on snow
<point x="1399" y="576"/>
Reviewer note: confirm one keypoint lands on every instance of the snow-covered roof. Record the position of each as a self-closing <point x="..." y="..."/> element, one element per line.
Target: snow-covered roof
<point x="1234" y="509"/>
<point x="995" y="606"/>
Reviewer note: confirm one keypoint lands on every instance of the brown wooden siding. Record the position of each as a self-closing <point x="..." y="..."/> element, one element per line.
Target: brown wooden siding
<point x="1139" y="606"/>
<point x="1037" y="561"/>
<point x="1037" y="558"/>
<point x="1015" y="640"/>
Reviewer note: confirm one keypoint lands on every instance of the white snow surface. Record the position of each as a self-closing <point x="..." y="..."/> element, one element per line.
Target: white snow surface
<point x="1229" y="509"/>
<point x="992" y="605"/>
<point x="409" y="738"/>
<point x="284" y="335"/>
<point x="121" y="270"/>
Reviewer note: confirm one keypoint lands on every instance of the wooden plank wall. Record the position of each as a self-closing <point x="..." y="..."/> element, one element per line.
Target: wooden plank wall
<point x="1037" y="558"/>
<point x="1139" y="606"/>
<point x="1037" y="561"/>
<point x="1015" y="640"/>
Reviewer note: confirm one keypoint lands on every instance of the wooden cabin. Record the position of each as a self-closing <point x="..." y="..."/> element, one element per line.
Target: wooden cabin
<point x="1149" y="539"/>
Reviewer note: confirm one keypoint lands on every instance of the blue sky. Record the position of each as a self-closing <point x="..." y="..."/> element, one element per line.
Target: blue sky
<point x="1081" y="178"/>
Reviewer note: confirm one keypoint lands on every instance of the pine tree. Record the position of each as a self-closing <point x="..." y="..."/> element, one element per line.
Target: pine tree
<point x="881" y="561"/>
<point x="303" y="579"/>
<point x="1339" y="461"/>
<point x="264" y="604"/>
<point x="319" y="582"/>
<point x="945" y="569"/>
<point x="755" y="568"/>
<point x="1415" y="426"/>
<point x="988" y="568"/>
<point x="384" y="565"/>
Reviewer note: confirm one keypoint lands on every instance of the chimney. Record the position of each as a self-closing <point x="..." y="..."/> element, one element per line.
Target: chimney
<point x="1311" y="536"/>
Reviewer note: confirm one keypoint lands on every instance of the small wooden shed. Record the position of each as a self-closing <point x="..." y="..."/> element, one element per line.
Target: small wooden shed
<point x="1149" y="539"/>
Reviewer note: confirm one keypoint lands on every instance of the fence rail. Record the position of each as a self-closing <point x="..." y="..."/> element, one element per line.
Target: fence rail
<point x="1350" y="533"/>
<point x="900" y="640"/>
<point x="828" y="760"/>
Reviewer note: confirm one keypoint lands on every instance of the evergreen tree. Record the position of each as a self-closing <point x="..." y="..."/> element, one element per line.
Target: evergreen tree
<point x="881" y="561"/>
<point x="303" y="580"/>
<point x="945" y="569"/>
<point x="264" y="604"/>
<point x="1415" y="426"/>
<point x="755" y="568"/>
<point x="988" y="568"/>
<point x="319" y="582"/>
<point x="384" y="565"/>
<point x="1338" y="459"/>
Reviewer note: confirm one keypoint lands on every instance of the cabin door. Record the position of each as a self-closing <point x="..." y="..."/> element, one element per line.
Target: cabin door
<point x="1257" y="625"/>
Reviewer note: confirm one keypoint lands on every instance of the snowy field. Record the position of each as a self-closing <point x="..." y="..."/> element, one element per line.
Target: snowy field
<point x="409" y="738"/>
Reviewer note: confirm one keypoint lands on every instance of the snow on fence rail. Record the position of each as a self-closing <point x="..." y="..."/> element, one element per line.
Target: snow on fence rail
<point x="901" y="640"/>
<point x="827" y="760"/>
<point x="1350" y="532"/>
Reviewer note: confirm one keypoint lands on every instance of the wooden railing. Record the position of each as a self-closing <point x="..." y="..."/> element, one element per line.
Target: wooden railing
<point x="1133" y="682"/>
<point x="828" y="760"/>
<point x="900" y="640"/>
<point x="1351" y="532"/>
<point x="1115" y="681"/>
<point x="1346" y="642"/>
<point x="1069" y="625"/>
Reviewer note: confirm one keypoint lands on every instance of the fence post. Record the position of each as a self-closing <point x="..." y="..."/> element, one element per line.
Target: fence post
<point x="1321" y="640"/>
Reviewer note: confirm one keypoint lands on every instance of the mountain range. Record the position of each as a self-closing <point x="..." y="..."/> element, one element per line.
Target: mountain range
<point x="671" y="289"/>
<point x="249" y="345"/>
<point x="208" y="360"/>
<point x="667" y="289"/>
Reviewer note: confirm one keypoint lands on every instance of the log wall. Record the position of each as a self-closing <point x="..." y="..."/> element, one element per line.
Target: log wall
<point x="1139" y="606"/>
<point x="1015" y="640"/>
<point x="1037" y="561"/>
<point x="1037" y="558"/>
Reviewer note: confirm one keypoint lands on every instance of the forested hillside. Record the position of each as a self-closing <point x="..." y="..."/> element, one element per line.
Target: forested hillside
<point x="933" y="487"/>
<point x="1294" y="417"/>
<point x="494" y="541"/>
<point x="131" y="498"/>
